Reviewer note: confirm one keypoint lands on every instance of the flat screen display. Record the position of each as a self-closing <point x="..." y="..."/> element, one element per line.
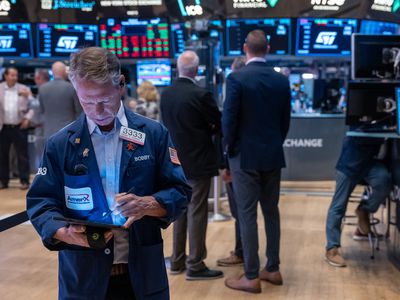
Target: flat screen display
<point x="277" y="32"/>
<point x="60" y="40"/>
<point x="369" y="104"/>
<point x="324" y="37"/>
<point x="182" y="32"/>
<point x="397" y="95"/>
<point x="379" y="27"/>
<point x="375" y="57"/>
<point x="157" y="72"/>
<point x="16" y="40"/>
<point x="135" y="38"/>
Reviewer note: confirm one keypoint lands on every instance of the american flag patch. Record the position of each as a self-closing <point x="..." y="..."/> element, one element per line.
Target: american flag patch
<point x="174" y="156"/>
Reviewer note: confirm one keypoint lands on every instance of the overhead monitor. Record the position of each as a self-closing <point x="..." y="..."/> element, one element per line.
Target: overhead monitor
<point x="60" y="40"/>
<point x="183" y="32"/>
<point x="277" y="32"/>
<point x="16" y="40"/>
<point x="324" y="37"/>
<point x="375" y="57"/>
<point x="379" y="27"/>
<point x="397" y="94"/>
<point x="136" y="38"/>
<point x="371" y="104"/>
<point x="158" y="72"/>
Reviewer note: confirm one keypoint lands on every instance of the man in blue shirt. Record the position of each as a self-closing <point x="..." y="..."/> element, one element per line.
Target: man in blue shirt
<point x="357" y="163"/>
<point x="110" y="166"/>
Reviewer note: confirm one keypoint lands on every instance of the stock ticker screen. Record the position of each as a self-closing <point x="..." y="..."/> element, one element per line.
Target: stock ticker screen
<point x="60" y="40"/>
<point x="135" y="38"/>
<point x="16" y="40"/>
<point x="277" y="32"/>
<point x="324" y="37"/>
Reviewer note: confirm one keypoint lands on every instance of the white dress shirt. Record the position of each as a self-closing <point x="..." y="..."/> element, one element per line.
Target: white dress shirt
<point x="108" y="150"/>
<point x="11" y="106"/>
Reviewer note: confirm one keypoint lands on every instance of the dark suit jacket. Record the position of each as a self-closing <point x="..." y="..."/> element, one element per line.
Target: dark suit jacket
<point x="256" y="116"/>
<point x="192" y="117"/>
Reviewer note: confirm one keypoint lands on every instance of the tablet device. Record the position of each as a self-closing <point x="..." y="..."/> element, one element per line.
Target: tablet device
<point x="88" y="223"/>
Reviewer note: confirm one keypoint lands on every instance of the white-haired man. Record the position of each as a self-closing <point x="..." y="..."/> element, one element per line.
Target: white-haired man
<point x="192" y="117"/>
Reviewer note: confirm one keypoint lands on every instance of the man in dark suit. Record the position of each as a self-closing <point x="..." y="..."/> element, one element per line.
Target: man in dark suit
<point x="255" y="122"/>
<point x="192" y="117"/>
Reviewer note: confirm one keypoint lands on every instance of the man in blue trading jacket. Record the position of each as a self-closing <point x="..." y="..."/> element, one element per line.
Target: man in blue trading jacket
<point x="109" y="166"/>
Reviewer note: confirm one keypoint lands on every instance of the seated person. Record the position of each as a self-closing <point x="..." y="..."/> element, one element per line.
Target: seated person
<point x="357" y="162"/>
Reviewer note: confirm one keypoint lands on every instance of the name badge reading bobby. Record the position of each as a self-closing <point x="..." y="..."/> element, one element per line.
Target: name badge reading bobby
<point x="132" y="135"/>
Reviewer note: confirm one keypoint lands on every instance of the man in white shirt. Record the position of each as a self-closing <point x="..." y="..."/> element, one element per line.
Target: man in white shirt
<point x="15" y="116"/>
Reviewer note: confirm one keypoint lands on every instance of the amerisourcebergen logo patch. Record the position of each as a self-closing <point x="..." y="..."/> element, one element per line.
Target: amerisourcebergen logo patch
<point x="78" y="199"/>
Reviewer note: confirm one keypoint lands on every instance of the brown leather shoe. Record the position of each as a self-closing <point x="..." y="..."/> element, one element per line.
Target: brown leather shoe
<point x="244" y="284"/>
<point x="272" y="277"/>
<point x="231" y="260"/>
<point x="363" y="220"/>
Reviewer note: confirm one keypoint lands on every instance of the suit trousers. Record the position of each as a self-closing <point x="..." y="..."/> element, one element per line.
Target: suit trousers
<point x="253" y="186"/>
<point x="193" y="222"/>
<point x="233" y="207"/>
<point x="19" y="137"/>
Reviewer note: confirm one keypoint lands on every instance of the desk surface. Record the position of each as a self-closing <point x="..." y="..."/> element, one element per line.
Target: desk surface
<point x="386" y="135"/>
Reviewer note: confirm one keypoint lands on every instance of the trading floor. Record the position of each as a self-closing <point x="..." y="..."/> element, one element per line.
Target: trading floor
<point x="28" y="270"/>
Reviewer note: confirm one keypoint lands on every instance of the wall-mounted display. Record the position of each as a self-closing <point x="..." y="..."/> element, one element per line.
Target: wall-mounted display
<point x="16" y="40"/>
<point x="157" y="72"/>
<point x="324" y="37"/>
<point x="379" y="27"/>
<point x="135" y="38"/>
<point x="278" y="32"/>
<point x="60" y="40"/>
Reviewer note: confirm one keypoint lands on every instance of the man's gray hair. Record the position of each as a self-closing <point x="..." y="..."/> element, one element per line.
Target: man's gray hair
<point x="94" y="64"/>
<point x="188" y="63"/>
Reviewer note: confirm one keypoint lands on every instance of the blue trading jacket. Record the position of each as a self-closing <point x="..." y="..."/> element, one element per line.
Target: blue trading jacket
<point x="84" y="272"/>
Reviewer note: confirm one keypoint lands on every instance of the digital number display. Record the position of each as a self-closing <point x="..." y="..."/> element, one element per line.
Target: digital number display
<point x="134" y="38"/>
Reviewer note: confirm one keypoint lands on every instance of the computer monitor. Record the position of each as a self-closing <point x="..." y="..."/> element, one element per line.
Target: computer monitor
<point x="278" y="32"/>
<point x="60" y="40"/>
<point x="371" y="104"/>
<point x="16" y="40"/>
<point x="324" y="37"/>
<point x="375" y="56"/>
<point x="397" y="94"/>
<point x="155" y="71"/>
<point x="379" y="27"/>
<point x="327" y="94"/>
<point x="135" y="38"/>
<point x="183" y="31"/>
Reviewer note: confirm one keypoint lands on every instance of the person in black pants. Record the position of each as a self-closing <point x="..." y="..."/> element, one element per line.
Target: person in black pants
<point x="192" y="117"/>
<point x="255" y="122"/>
<point x="236" y="256"/>
<point x="15" y="116"/>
